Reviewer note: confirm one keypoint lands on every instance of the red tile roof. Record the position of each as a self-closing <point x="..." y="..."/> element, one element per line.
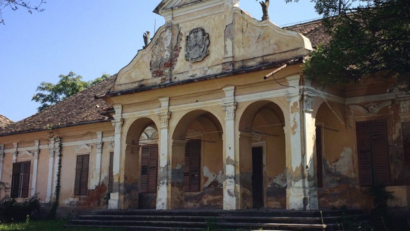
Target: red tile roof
<point x="313" y="30"/>
<point x="82" y="108"/>
<point x="4" y="121"/>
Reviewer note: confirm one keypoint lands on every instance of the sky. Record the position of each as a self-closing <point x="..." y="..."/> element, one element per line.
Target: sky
<point x="90" y="38"/>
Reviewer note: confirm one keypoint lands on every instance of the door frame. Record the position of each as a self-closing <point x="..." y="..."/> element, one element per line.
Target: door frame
<point x="262" y="145"/>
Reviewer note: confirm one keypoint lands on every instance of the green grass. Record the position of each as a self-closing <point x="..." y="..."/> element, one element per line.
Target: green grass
<point x="45" y="226"/>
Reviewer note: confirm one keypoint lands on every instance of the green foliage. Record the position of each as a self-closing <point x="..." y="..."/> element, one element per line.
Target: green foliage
<point x="68" y="85"/>
<point x="16" y="4"/>
<point x="370" y="39"/>
<point x="13" y="211"/>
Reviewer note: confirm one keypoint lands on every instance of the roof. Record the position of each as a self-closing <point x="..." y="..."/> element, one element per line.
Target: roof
<point x="81" y="108"/>
<point x="4" y="121"/>
<point x="313" y="30"/>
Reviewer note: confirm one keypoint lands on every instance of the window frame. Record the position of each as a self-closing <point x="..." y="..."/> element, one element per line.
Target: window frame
<point x="21" y="181"/>
<point x="77" y="192"/>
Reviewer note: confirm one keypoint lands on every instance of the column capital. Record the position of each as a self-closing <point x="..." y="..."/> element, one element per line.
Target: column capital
<point x="117" y="124"/>
<point x="229" y="109"/>
<point x="164" y="119"/>
<point x="308" y="101"/>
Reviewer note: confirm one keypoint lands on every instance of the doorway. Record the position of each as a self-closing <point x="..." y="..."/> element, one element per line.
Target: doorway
<point x="257" y="177"/>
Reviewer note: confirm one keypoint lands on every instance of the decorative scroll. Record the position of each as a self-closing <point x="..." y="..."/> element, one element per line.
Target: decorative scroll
<point x="257" y="135"/>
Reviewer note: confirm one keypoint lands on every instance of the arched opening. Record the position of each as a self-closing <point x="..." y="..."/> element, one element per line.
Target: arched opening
<point x="141" y="165"/>
<point x="262" y="150"/>
<point x="197" y="166"/>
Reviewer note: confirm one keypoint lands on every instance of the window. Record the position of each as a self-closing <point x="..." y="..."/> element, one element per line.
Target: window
<point x="192" y="170"/>
<point x="81" y="175"/>
<point x="149" y="168"/>
<point x="319" y="157"/>
<point x="20" y="180"/>
<point x="372" y="150"/>
<point x="111" y="173"/>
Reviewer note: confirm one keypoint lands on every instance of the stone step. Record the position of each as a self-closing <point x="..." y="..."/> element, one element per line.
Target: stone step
<point x="179" y="224"/>
<point x="307" y="220"/>
<point x="214" y="213"/>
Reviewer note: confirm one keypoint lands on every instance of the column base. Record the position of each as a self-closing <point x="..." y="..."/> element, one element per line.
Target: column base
<point x="114" y="202"/>
<point x="302" y="198"/>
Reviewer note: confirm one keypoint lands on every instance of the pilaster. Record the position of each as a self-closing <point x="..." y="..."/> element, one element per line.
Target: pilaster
<point x="35" y="168"/>
<point x="114" y="202"/>
<point x="2" y="153"/>
<point x="300" y="135"/>
<point x="57" y="152"/>
<point x="16" y="152"/>
<point x="230" y="195"/>
<point x="98" y="157"/>
<point x="50" y="170"/>
<point x="164" y="158"/>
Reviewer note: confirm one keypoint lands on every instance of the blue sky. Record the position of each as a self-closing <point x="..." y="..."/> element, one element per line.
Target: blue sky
<point x="89" y="38"/>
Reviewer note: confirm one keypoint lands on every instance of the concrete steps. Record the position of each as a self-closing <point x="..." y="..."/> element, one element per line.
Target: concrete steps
<point x="216" y="220"/>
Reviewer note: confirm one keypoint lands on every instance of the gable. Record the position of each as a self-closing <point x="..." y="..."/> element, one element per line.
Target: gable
<point x="208" y="38"/>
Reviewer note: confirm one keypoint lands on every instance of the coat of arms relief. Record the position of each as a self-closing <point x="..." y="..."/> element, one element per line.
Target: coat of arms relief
<point x="197" y="43"/>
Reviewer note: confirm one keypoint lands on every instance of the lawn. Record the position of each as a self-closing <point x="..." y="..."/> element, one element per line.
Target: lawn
<point x="45" y="226"/>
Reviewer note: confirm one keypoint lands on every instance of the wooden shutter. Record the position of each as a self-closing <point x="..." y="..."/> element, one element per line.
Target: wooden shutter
<point x="364" y="153"/>
<point x="192" y="170"/>
<point x="149" y="168"/>
<point x="111" y="173"/>
<point x="15" y="181"/>
<point x="380" y="149"/>
<point x="25" y="184"/>
<point x="319" y="157"/>
<point x="372" y="149"/>
<point x="153" y="169"/>
<point x="81" y="175"/>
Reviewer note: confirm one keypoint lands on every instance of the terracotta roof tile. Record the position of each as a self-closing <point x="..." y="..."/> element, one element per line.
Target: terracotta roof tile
<point x="313" y="30"/>
<point x="80" y="108"/>
<point x="4" y="121"/>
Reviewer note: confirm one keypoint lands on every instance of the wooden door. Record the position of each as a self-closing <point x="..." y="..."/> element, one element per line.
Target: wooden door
<point x="257" y="177"/>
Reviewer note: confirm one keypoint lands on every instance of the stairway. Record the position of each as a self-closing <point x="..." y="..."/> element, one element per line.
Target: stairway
<point x="217" y="220"/>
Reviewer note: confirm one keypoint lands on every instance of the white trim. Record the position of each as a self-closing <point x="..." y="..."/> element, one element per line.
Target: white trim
<point x="86" y="147"/>
<point x="67" y="144"/>
<point x="24" y="153"/>
<point x="371" y="98"/>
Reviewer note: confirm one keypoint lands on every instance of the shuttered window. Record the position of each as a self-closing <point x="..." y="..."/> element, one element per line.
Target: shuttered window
<point x="192" y="170"/>
<point x="81" y="175"/>
<point x="111" y="173"/>
<point x="149" y="168"/>
<point x="372" y="149"/>
<point x="319" y="156"/>
<point x="20" y="181"/>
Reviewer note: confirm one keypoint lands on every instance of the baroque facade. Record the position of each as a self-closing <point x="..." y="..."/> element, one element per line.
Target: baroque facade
<point x="215" y="112"/>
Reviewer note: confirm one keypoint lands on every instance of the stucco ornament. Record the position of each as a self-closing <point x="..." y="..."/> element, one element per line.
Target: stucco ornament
<point x="197" y="43"/>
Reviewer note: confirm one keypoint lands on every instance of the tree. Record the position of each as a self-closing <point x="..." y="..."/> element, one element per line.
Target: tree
<point x="16" y="4"/>
<point x="50" y="94"/>
<point x="370" y="39"/>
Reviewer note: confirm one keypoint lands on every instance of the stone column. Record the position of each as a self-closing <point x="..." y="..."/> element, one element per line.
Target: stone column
<point x="300" y="137"/>
<point x="114" y="202"/>
<point x="50" y="170"/>
<point x="35" y="168"/>
<point x="164" y="159"/>
<point x="98" y="157"/>
<point x="1" y="160"/>
<point x="230" y="163"/>
<point x="57" y="159"/>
